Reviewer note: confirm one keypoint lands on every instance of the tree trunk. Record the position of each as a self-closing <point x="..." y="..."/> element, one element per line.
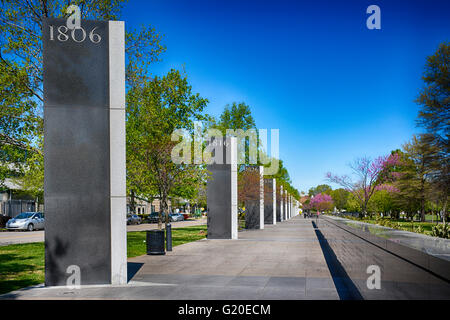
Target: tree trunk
<point x="364" y="209"/>
<point x="132" y="202"/>
<point x="444" y="211"/>
<point x="422" y="209"/>
<point x="165" y="209"/>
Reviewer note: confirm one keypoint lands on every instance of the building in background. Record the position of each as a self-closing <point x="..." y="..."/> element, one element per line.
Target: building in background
<point x="13" y="200"/>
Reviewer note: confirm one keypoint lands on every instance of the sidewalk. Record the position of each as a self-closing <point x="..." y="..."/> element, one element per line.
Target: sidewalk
<point x="283" y="261"/>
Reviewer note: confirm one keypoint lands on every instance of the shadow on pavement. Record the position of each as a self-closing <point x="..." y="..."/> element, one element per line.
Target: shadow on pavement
<point x="132" y="269"/>
<point x="344" y="285"/>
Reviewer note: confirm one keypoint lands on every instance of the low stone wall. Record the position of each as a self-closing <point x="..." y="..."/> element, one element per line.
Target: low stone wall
<point x="411" y="266"/>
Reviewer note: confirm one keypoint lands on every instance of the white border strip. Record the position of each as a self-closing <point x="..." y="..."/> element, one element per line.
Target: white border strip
<point x="117" y="152"/>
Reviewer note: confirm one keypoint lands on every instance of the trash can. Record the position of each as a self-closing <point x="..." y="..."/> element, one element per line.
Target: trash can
<point x="155" y="242"/>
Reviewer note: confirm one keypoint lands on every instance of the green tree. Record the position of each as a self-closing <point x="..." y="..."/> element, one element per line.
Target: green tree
<point x="322" y="188"/>
<point x="381" y="202"/>
<point x="236" y="116"/>
<point x="340" y="197"/>
<point x="406" y="198"/>
<point x="353" y="204"/>
<point x="283" y="179"/>
<point x="154" y="111"/>
<point x="434" y="116"/>
<point x="21" y="76"/>
<point x="32" y="178"/>
<point x="18" y="121"/>
<point x="413" y="184"/>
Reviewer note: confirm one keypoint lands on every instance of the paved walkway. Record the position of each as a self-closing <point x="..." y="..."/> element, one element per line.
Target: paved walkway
<point x="283" y="261"/>
<point x="14" y="237"/>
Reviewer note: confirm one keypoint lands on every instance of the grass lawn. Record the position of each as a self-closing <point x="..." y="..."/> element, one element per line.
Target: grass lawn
<point x="425" y="227"/>
<point x="409" y="226"/>
<point x="428" y="217"/>
<point x="136" y="245"/>
<point x="22" y="265"/>
<point x="432" y="217"/>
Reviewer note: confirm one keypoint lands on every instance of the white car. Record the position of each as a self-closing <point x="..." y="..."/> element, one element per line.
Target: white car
<point x="176" y="217"/>
<point x="26" y="221"/>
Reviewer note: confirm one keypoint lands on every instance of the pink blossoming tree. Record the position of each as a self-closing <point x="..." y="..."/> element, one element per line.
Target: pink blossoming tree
<point x="372" y="175"/>
<point x="321" y="202"/>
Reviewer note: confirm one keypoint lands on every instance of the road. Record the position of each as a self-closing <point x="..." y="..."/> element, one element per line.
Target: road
<point x="15" y="237"/>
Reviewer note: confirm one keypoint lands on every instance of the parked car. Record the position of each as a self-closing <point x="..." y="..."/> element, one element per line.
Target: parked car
<point x="186" y="216"/>
<point x="154" y="217"/>
<point x="133" y="219"/>
<point x="176" y="217"/>
<point x="26" y="221"/>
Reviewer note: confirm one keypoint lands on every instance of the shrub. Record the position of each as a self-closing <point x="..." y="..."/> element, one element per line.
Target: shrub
<point x="389" y="224"/>
<point x="441" y="230"/>
<point x="3" y="220"/>
<point x="385" y="223"/>
<point x="419" y="229"/>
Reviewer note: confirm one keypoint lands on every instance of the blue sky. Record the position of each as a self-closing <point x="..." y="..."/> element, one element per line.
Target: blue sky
<point x="335" y="89"/>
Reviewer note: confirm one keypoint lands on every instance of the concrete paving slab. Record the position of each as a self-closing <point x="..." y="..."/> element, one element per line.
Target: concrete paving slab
<point x="274" y="293"/>
<point x="321" y="294"/>
<point x="289" y="283"/>
<point x="249" y="281"/>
